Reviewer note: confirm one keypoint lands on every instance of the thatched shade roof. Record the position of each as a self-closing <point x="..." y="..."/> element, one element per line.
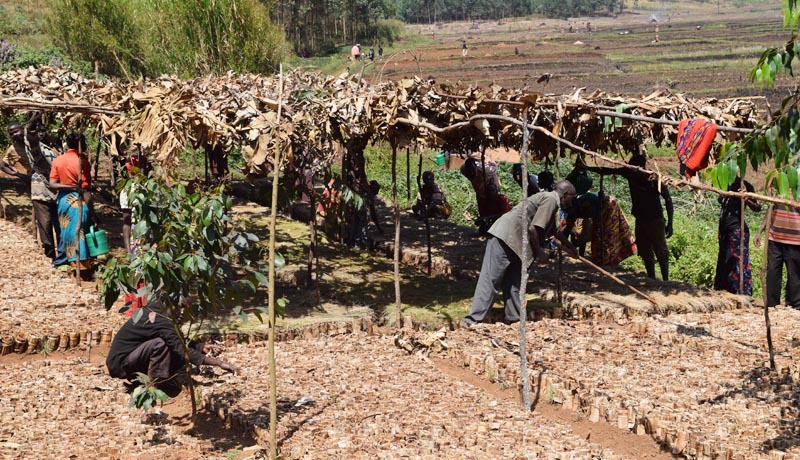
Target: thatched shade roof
<point x="165" y="115"/>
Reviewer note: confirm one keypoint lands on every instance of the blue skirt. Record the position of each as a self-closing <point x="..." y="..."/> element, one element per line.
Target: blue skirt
<point x="68" y="221"/>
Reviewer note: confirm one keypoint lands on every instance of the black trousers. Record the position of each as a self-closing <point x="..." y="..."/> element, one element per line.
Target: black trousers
<point x="46" y="216"/>
<point x="778" y="255"/>
<point x="154" y="359"/>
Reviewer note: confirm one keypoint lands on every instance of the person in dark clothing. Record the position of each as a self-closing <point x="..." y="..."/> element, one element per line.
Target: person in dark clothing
<point x="533" y="181"/>
<point x="651" y="233"/>
<point x="151" y="346"/>
<point x="26" y="152"/>
<point x="730" y="240"/>
<point x="547" y="181"/>
<point x="431" y="201"/>
<point x="503" y="259"/>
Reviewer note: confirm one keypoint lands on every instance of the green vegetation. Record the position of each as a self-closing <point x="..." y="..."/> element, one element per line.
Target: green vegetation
<point x="193" y="251"/>
<point x="693" y="247"/>
<point x="425" y="11"/>
<point x="149" y="37"/>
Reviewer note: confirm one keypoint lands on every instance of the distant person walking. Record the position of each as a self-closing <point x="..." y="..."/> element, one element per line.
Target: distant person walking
<point x="380" y="51"/>
<point x="464" y="48"/>
<point x="372" y="53"/>
<point x="355" y="52"/>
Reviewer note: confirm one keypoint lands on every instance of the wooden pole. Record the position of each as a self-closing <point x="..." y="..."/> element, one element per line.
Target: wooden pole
<point x="524" y="263"/>
<point x="764" y="262"/>
<point x="610" y="113"/>
<point x="22" y="103"/>
<point x="611" y="276"/>
<point x="314" y="239"/>
<point x="600" y="222"/>
<point x="273" y="378"/>
<point x="741" y="235"/>
<point x="97" y="154"/>
<point x="80" y="216"/>
<point x="398" y="309"/>
<point x="408" y="176"/>
<point x="425" y="218"/>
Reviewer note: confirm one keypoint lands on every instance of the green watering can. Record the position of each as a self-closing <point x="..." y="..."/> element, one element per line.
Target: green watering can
<point x="440" y="158"/>
<point x="96" y="242"/>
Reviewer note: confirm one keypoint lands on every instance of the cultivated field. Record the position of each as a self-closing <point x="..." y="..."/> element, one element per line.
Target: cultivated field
<point x="702" y="53"/>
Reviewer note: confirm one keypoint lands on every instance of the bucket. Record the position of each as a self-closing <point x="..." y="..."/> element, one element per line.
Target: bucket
<point x="96" y="242"/>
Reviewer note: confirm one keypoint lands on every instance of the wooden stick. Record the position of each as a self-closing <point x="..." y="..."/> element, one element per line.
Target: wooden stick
<point x="22" y="103"/>
<point x="273" y="376"/>
<point x="408" y="176"/>
<point x="610" y="275"/>
<point x="80" y="217"/>
<point x="425" y="216"/>
<point x="525" y="259"/>
<point x="396" y="259"/>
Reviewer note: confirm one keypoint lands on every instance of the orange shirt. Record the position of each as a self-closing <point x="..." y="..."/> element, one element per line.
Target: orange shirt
<point x="64" y="169"/>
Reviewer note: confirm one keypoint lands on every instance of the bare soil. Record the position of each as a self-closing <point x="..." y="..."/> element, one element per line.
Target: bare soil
<point x="619" y="55"/>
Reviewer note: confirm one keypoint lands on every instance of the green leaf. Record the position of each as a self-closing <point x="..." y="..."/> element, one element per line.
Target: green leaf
<point x="137" y="315"/>
<point x="202" y="263"/>
<point x="280" y="262"/>
<point x="262" y="280"/>
<point x="777" y="61"/>
<point x="140" y="229"/>
<point x="791" y="176"/>
<point x="135" y="396"/>
<point x="110" y="295"/>
<point x="783" y="184"/>
<point x="160" y="395"/>
<point x="249" y="284"/>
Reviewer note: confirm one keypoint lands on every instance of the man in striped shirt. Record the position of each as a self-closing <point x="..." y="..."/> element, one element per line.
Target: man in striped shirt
<point x="783" y="248"/>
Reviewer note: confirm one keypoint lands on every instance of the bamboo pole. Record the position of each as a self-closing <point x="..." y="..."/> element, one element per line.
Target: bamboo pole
<point x="273" y="379"/>
<point x="524" y="263"/>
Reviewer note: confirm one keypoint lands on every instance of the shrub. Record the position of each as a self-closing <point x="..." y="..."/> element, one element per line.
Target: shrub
<point x="388" y="30"/>
<point x="151" y="37"/>
<point x="102" y="31"/>
<point x="24" y="56"/>
<point x="7" y="53"/>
